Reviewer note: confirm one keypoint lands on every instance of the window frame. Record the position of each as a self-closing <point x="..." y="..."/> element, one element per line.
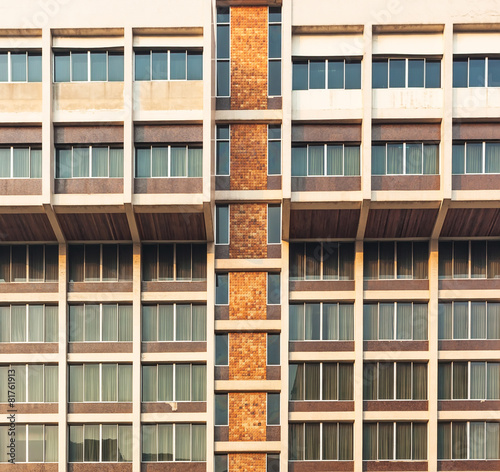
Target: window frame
<point x="271" y="140"/>
<point x="28" y="53"/>
<point x="27" y="322"/>
<point x="350" y="60"/>
<point x="321" y="316"/>
<point x="109" y="52"/>
<point x="14" y="368"/>
<point x="90" y="149"/>
<point x="228" y="219"/>
<point x="222" y="274"/>
<point x="32" y="170"/>
<point x="218" y="129"/>
<point x="274" y="59"/>
<point x="381" y="59"/>
<point x="466" y="144"/>
<point x="26" y="441"/>
<point x="168" y="51"/>
<point x="278" y="338"/>
<point x="118" y="425"/>
<point x="219" y="60"/>
<point x="100" y="304"/>
<point x="461" y="58"/>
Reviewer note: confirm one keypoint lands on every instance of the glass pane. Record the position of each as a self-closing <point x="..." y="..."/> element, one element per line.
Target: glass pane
<point x="195" y="66"/>
<point x="379" y="74"/>
<point x="416" y="72"/>
<point x="335" y="74"/>
<point x="474" y="158"/>
<point x="222" y="224"/>
<point x="142" y="65"/>
<point x="395" y="158"/>
<point x="274" y="41"/>
<point x="300" y="76"/>
<point x="35" y="163"/>
<point x="75" y="443"/>
<point x="274" y="157"/>
<point x="178" y="161"/>
<point x="493" y="72"/>
<point x="81" y="163"/>
<point x="296" y="319"/>
<point x="431" y="159"/>
<point x="353" y="75"/>
<point x="299" y="161"/>
<point x="492" y="158"/>
<point x="378" y="159"/>
<point x="4" y="67"/>
<point x="223" y="78"/>
<point x="316" y="160"/>
<point x="143" y="162"/>
<point x="115" y="67"/>
<point x="160" y="65"/>
<point x="433" y="74"/>
<point x="92" y="446"/>
<point x="460" y="72"/>
<point x="182" y="442"/>
<point x="273" y="349"/>
<point x="221" y="289"/>
<point x="317" y="74"/>
<point x="397" y="72"/>
<point x="458" y="159"/>
<point x="109" y="443"/>
<point x="223" y="42"/>
<point x="21" y="162"/>
<point x="79" y="66"/>
<point x="477" y="72"/>
<point x="165" y="442"/>
<point x="98" y="63"/>
<point x="62" y="67"/>
<point x="312" y="321"/>
<point x="221" y="409"/>
<point x="100" y="162"/>
<point x="178" y="65"/>
<point x="273" y="224"/>
<point x="18" y="67"/>
<point x="273" y="408"/>
<point x="414" y="158"/>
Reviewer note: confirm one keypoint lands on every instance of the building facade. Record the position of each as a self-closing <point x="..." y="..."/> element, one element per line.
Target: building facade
<point x="249" y="235"/>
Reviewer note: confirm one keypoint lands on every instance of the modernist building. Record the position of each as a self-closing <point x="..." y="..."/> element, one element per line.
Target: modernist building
<point x="249" y="235"/>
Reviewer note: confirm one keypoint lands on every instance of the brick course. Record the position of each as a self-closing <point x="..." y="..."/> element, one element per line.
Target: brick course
<point x="248" y="157"/>
<point x="247" y="296"/>
<point x="248" y="231"/>
<point x="249" y="58"/>
<point x="247" y="416"/>
<point x="247" y="462"/>
<point x="247" y="356"/>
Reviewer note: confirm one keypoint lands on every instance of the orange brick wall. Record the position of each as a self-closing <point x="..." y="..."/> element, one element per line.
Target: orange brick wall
<point x="248" y="157"/>
<point x="247" y="416"/>
<point x="247" y="356"/>
<point x="248" y="231"/>
<point x="247" y="462"/>
<point x="247" y="296"/>
<point x="249" y="58"/>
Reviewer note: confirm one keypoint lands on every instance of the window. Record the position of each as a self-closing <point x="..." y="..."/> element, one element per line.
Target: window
<point x="221" y="224"/>
<point x="221" y="464"/>
<point x="76" y="162"/>
<point x="394" y="441"/>
<point x="223" y="51"/>
<point x="221" y="409"/>
<point x="168" y="64"/>
<point x="20" y="66"/>
<point x="273" y="348"/>
<point x="174" y="382"/>
<point x="166" y="442"/>
<point x="469" y="259"/>
<point x="405" y="158"/>
<point x="321" y="261"/>
<point x="400" y="321"/>
<point x="273" y="289"/>
<point x="84" y="66"/>
<point x="29" y="263"/>
<point x="168" y="161"/>
<point x="395" y="260"/>
<point x="174" y="322"/>
<point x="321" y="321"/>
<point x="476" y="72"/>
<point x="274" y="51"/>
<point x="100" y="443"/>
<point x="476" y="158"/>
<point x="273" y="463"/>
<point x="325" y="159"/>
<point x="320" y="441"/>
<point x="29" y="323"/>
<point x="100" y="262"/>
<point x="402" y="73"/>
<point x="326" y="74"/>
<point x="321" y="381"/>
<point x="34" y="443"/>
<point x="221" y="289"/>
<point x="273" y="149"/>
<point x="222" y="349"/>
<point x="273" y="224"/>
<point x="100" y="383"/>
<point x="174" y="262"/>
<point x="95" y="322"/>
<point x="20" y="163"/>
<point x="273" y="409"/>
<point x="469" y="320"/>
<point x="469" y="380"/>
<point x="34" y="383"/>
<point x="222" y="150"/>
<point x="394" y="381"/>
<point x="468" y="440"/>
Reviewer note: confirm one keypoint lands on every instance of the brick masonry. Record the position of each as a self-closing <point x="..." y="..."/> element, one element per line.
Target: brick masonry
<point x="247" y="417"/>
<point x="249" y="58"/>
<point x="248" y="157"/>
<point x="247" y="296"/>
<point x="247" y="356"/>
<point x="247" y="462"/>
<point x="248" y="231"/>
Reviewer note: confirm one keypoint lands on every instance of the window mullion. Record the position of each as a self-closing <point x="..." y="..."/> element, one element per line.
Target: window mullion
<point x="168" y="64"/>
<point x="174" y="334"/>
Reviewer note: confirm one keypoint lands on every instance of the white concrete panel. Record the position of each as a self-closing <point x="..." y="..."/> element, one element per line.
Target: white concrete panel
<point x="474" y="43"/>
<point x="476" y="102"/>
<point x="310" y="45"/>
<point x="311" y="104"/>
<point x="408" y="103"/>
<point x="169" y="41"/>
<point x="408" y="44"/>
<point x="20" y="42"/>
<point x="87" y="42"/>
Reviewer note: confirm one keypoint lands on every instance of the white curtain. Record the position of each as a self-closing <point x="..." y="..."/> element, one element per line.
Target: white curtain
<point x="109" y="322"/>
<point x="76" y="383"/>
<point x="159" y="162"/>
<point x="330" y="321"/>
<point x="21" y="382"/>
<point x="92" y="323"/>
<point x="125" y="324"/>
<point x="404" y="321"/>
<point x="149" y="383"/>
<point x="36" y="443"/>
<point x="100" y="162"/>
<point x="149" y="443"/>
<point x="91" y="443"/>
<point x="109" y="383"/>
<point x="312" y="321"/>
<point x="81" y="164"/>
<point x="91" y="383"/>
<point x="165" y="322"/>
<point x="478" y="320"/>
<point x="199" y="443"/>
<point x="195" y="162"/>
<point x="493" y="323"/>
<point x="395" y="158"/>
<point x="124" y="383"/>
<point x="165" y="382"/>
<point x="199" y="314"/>
<point x="182" y="442"/>
<point x="35" y="383"/>
<point x="492" y="158"/>
<point x="296" y="320"/>
<point x="334" y="160"/>
<point x="149" y="323"/>
<point x="477" y="380"/>
<point x="199" y="383"/>
<point x="492" y="440"/>
<point x="460" y="320"/>
<point x="414" y="158"/>
<point x="125" y="443"/>
<point x="493" y="376"/>
<point x="474" y="158"/>
<point x="346" y="322"/>
<point x="183" y="322"/>
<point x="21" y="162"/>
<point x="165" y="442"/>
<point x="51" y="324"/>
<point x="182" y="382"/>
<point x="351" y="160"/>
<point x="5" y="163"/>
<point x="116" y="162"/>
<point x="386" y="321"/>
<point x="51" y="443"/>
<point x="76" y="323"/>
<point x="109" y="442"/>
<point x="35" y="323"/>
<point x="35" y="163"/>
<point x="316" y="165"/>
<point x="178" y="161"/>
<point x="476" y="440"/>
<point x="51" y="384"/>
<point x="18" y="323"/>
